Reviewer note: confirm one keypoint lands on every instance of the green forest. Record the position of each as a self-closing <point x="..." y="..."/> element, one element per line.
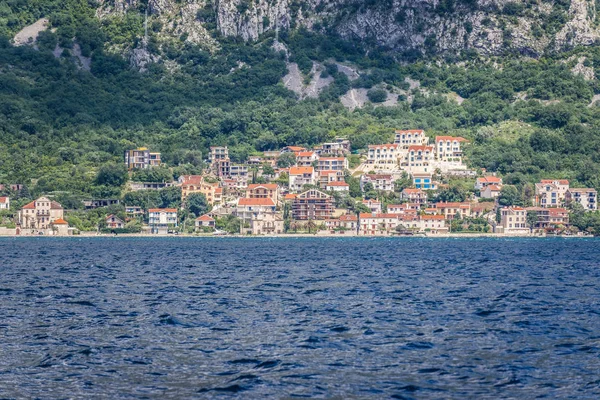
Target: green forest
<point x="527" y="118"/>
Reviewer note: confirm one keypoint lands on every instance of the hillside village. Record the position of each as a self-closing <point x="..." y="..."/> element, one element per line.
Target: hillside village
<point x="413" y="185"/>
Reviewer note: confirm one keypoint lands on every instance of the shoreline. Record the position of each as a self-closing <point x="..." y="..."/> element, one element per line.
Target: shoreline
<point x="305" y="235"/>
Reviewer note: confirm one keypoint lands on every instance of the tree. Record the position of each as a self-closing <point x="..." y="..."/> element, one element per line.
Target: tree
<point x="509" y="196"/>
<point x="377" y="95"/>
<point x="286" y="160"/>
<point x="112" y="174"/>
<point x="532" y="219"/>
<point x="197" y="204"/>
<point x="267" y="169"/>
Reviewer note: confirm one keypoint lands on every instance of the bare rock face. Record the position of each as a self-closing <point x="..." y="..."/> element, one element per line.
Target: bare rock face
<point x="140" y="58"/>
<point x="487" y="26"/>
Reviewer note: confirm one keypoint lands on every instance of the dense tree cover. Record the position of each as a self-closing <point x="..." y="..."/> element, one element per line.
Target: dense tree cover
<point x="527" y="119"/>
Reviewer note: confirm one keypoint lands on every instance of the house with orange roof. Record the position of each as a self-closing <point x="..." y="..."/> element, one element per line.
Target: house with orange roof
<point x="290" y="197"/>
<point x="377" y="223"/>
<point x="551" y="192"/>
<point x="161" y="220"/>
<point x="448" y="148"/>
<point x="39" y="214"/>
<point x="197" y="184"/>
<point x="114" y="222"/>
<point x="450" y="209"/>
<point x="405" y="139"/>
<point x="326" y="177"/>
<point x="383" y="182"/>
<point x="490" y="192"/>
<point x="300" y="176"/>
<point x="205" y="221"/>
<point x="306" y="158"/>
<point x="263" y="191"/>
<point x="383" y="155"/>
<point x="513" y="221"/>
<point x="418" y="196"/>
<point x="480" y="209"/>
<point x="482" y="182"/>
<point x="292" y="149"/>
<point x="247" y="208"/>
<point x="433" y="224"/>
<point x="4" y="203"/>
<point x="404" y="208"/>
<point x="332" y="164"/>
<point x="419" y="159"/>
<point x="60" y="227"/>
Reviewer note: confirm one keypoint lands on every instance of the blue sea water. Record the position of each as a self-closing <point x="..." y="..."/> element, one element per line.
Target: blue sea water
<point x="283" y="318"/>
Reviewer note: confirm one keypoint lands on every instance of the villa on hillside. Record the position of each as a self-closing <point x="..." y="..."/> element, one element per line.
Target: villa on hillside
<point x="551" y="193"/>
<point x="141" y="158"/>
<point x="588" y="198"/>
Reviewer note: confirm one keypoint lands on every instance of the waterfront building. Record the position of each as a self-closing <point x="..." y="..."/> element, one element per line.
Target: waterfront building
<point x="513" y="221"/>
<point x="40" y="214"/>
<point x="160" y="220"/>
<point x="312" y="205"/>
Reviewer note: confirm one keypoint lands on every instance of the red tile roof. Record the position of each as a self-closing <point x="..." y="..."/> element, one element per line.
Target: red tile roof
<point x="29" y="206"/>
<point x="494" y="188"/>
<point x="295" y="148"/>
<point x="60" y="221"/>
<point x="256" y="202"/>
<point x="191" y="179"/>
<point x="377" y="216"/>
<point x="560" y="181"/>
<point x="452" y="205"/>
<point x="205" y="217"/>
<point x="489" y="179"/>
<point x="290" y="196"/>
<point x="420" y="148"/>
<point x="337" y="184"/>
<point x="3" y="199"/>
<point x="432" y="217"/>
<point x="306" y="153"/>
<point x="408" y="190"/>
<point x="166" y="210"/>
<point x="301" y="170"/>
<point x="348" y="217"/>
<point x="269" y="186"/>
<point x="458" y="138"/>
<point x="410" y="131"/>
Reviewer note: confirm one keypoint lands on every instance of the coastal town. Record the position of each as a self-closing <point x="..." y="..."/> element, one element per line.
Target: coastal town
<point x="413" y="185"/>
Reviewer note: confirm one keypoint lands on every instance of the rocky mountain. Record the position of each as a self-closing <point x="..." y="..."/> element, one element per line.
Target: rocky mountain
<point x="489" y="27"/>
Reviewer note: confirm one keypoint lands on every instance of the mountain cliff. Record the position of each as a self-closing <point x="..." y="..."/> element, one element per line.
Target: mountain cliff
<point x="489" y="27"/>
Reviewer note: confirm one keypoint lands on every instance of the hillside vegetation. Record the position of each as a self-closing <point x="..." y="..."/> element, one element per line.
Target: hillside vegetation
<point x="527" y="118"/>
